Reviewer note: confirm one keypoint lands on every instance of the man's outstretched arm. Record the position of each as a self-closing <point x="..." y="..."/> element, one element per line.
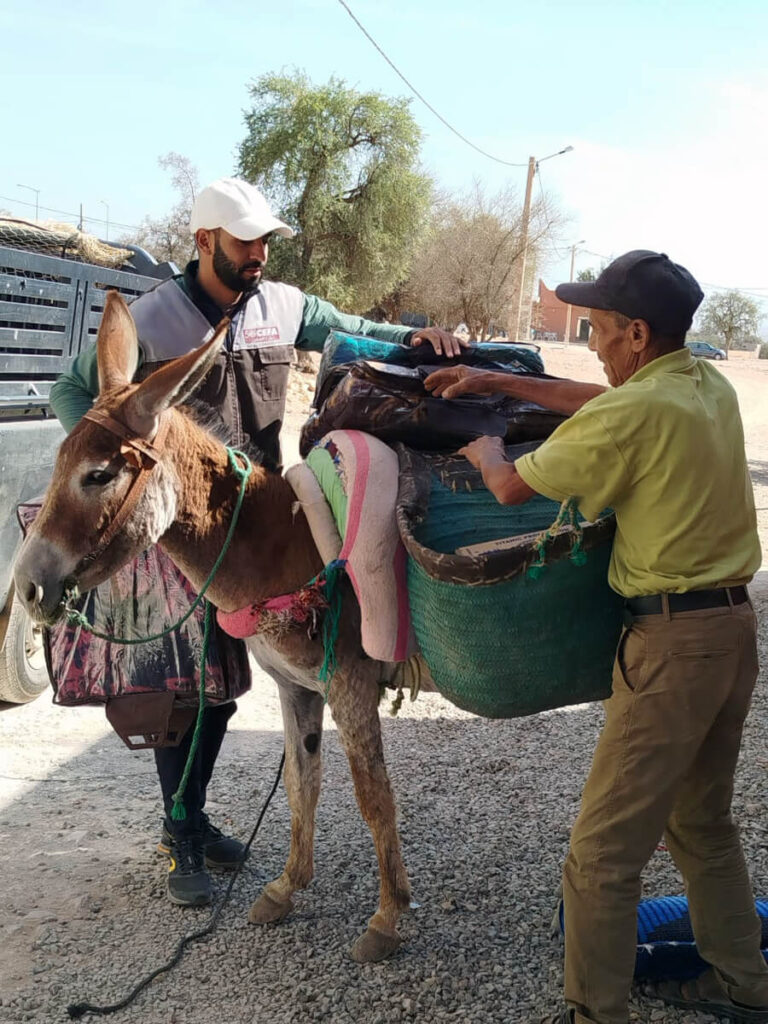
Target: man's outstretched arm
<point x="560" y="395"/>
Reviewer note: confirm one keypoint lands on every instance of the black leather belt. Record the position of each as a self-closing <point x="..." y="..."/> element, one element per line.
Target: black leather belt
<point x="693" y="600"/>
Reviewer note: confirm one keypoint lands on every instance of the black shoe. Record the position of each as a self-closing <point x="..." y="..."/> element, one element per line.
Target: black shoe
<point x="706" y="993"/>
<point x="220" y="851"/>
<point x="189" y="884"/>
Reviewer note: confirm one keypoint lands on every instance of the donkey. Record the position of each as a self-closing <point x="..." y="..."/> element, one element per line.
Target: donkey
<point x="88" y="527"/>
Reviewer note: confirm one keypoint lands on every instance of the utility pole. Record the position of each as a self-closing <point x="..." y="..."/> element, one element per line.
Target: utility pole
<point x="105" y="204"/>
<point x="570" y="307"/>
<point x="533" y="165"/>
<point x="524" y="245"/>
<point x="37" y="198"/>
<point x="80" y="223"/>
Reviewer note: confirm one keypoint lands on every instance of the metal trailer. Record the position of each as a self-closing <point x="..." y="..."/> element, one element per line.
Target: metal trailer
<point x="50" y="309"/>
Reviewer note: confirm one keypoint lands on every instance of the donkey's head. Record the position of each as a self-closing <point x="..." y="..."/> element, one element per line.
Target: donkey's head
<point x="114" y="489"/>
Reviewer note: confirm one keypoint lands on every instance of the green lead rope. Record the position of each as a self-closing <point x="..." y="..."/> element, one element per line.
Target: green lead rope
<point x="179" y="812"/>
<point x="330" y="577"/>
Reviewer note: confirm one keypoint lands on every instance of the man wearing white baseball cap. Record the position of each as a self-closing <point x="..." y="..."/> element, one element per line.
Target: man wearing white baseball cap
<point x="238" y="208"/>
<point x="232" y="223"/>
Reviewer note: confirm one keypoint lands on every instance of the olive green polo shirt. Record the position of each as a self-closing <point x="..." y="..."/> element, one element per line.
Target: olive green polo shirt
<point x="665" y="451"/>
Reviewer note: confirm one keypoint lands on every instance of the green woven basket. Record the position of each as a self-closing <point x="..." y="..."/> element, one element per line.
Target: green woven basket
<point x="498" y="642"/>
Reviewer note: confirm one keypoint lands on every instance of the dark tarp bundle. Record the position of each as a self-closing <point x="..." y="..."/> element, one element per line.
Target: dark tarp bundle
<point x="522" y="626"/>
<point x="377" y="387"/>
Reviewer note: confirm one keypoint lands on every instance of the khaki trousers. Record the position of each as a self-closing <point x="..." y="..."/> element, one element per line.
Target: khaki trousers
<point x="664" y="764"/>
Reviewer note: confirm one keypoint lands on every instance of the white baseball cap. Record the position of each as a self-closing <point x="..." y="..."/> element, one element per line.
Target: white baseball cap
<point x="237" y="207"/>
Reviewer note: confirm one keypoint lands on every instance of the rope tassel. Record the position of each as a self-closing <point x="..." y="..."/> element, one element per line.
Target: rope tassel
<point x="330" y="578"/>
<point x="568" y="515"/>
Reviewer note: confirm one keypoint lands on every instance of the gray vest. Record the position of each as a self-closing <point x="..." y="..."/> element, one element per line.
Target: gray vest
<point x="247" y="383"/>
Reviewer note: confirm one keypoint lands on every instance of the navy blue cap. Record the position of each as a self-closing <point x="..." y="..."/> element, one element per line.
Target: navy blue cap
<point x="642" y="285"/>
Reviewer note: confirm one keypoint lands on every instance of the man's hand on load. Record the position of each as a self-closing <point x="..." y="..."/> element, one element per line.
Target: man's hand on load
<point x="499" y="474"/>
<point x="460" y="380"/>
<point x="484" y="451"/>
<point x="443" y="342"/>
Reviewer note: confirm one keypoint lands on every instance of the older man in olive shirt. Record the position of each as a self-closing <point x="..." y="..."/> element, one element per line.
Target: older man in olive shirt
<point x="663" y="447"/>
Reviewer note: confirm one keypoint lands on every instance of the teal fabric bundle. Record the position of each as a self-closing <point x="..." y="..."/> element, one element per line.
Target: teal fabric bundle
<point x="498" y="642"/>
<point x="341" y="349"/>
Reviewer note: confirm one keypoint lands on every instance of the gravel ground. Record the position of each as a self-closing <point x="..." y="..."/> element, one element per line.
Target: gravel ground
<point x="485" y="809"/>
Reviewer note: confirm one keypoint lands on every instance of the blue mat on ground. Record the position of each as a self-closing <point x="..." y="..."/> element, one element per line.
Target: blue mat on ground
<point x="665" y="946"/>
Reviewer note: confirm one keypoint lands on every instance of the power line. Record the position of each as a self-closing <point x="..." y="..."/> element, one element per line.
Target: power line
<point x="69" y="213"/>
<point x="705" y="284"/>
<point x="731" y="288"/>
<point x="416" y="92"/>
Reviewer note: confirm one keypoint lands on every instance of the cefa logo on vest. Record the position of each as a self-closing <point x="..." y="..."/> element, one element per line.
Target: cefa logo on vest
<point x="261" y="335"/>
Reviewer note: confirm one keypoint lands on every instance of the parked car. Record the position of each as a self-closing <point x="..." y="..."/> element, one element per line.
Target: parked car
<point x="49" y="309"/>
<point x="705" y="350"/>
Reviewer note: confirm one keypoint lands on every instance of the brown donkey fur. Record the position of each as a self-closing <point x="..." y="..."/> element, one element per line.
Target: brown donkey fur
<point x="186" y="508"/>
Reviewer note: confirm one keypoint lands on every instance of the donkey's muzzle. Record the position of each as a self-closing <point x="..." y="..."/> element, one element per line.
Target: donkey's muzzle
<point x="39" y="577"/>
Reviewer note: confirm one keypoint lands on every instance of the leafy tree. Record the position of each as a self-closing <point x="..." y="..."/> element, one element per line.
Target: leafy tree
<point x="731" y="316"/>
<point x="168" y="238"/>
<point x="467" y="268"/>
<point x="342" y="167"/>
<point x="588" y="274"/>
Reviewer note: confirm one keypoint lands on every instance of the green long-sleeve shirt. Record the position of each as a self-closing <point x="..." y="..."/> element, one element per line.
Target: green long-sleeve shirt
<point x="74" y="392"/>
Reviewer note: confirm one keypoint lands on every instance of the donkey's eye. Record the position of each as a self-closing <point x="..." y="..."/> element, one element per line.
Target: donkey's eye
<point x="98" y="478"/>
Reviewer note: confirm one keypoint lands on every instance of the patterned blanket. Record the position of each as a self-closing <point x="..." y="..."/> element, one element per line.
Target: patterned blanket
<point x="359" y="476"/>
<point x="143" y="598"/>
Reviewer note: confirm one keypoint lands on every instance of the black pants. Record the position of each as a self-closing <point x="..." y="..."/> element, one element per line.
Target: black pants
<point x="170" y="763"/>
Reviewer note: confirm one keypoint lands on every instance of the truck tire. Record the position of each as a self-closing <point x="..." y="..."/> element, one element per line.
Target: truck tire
<point x="23" y="672"/>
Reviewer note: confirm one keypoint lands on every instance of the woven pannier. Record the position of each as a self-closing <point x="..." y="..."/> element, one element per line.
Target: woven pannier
<point x="510" y="604"/>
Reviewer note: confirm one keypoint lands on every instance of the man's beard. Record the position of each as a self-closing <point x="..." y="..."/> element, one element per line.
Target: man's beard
<point x="230" y="274"/>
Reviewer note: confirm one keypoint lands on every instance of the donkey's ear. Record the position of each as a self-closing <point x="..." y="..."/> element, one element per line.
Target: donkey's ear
<point x="117" y="347"/>
<point x="171" y="384"/>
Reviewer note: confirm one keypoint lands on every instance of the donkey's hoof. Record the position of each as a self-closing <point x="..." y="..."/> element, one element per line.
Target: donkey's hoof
<point x="374" y="945"/>
<point x="268" y="911"/>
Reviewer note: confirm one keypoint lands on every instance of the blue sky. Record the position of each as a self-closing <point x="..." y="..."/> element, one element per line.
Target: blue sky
<point x="666" y="106"/>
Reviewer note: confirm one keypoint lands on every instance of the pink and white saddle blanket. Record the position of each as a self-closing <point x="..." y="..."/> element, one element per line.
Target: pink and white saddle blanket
<point x="347" y="488"/>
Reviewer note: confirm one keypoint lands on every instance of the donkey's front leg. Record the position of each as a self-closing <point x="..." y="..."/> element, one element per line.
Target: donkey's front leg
<point x="303" y="726"/>
<point x="354" y="703"/>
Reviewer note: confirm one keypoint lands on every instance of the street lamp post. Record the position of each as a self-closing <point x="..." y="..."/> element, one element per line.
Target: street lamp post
<point x="570" y="307"/>
<point x="37" y="197"/>
<point x="533" y="164"/>
<point x="105" y="204"/>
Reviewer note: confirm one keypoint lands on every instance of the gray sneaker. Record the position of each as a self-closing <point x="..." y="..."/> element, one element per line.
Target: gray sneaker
<point x="189" y="884"/>
<point x="221" y="851"/>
